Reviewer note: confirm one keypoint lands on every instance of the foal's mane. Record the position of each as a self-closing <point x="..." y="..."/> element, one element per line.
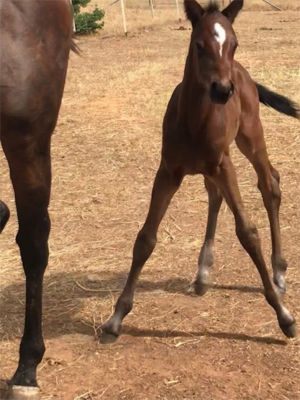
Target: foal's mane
<point x="212" y="7"/>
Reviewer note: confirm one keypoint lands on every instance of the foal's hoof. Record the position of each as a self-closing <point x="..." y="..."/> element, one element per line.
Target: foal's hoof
<point x="24" y="393"/>
<point x="107" y="338"/>
<point x="201" y="283"/>
<point x="4" y="215"/>
<point x="289" y="330"/>
<point x="200" y="288"/>
<point x="110" y="332"/>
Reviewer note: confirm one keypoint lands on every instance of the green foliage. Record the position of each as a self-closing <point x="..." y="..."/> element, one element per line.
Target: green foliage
<point x="79" y="3"/>
<point x="87" y="22"/>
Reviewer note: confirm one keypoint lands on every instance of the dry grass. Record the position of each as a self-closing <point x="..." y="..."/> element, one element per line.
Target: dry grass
<point x="138" y="13"/>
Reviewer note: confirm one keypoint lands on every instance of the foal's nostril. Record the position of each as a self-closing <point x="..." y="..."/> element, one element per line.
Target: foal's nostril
<point x="214" y="86"/>
<point x="220" y="93"/>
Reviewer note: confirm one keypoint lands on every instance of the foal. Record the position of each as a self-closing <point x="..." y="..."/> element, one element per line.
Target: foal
<point x="217" y="102"/>
<point x="36" y="37"/>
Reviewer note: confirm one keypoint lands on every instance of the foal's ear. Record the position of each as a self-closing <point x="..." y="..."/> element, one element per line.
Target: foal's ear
<point x="233" y="9"/>
<point x="193" y="11"/>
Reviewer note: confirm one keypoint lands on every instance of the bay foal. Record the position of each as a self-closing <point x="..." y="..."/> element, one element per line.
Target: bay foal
<point x="217" y="102"/>
<point x="36" y="37"/>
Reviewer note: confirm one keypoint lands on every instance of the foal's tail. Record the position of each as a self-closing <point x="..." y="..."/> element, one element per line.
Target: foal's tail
<point x="278" y="102"/>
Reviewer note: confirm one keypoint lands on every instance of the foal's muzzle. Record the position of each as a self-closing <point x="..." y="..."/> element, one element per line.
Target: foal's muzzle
<point x="220" y="93"/>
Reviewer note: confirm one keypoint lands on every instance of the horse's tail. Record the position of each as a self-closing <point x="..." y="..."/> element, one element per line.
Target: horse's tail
<point x="278" y="102"/>
<point x="74" y="46"/>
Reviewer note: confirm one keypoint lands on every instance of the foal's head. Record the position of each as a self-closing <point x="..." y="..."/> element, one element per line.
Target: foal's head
<point x="212" y="48"/>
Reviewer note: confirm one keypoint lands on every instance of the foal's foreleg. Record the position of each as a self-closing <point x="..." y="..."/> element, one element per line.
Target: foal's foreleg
<point x="165" y="185"/>
<point x="268" y="184"/>
<point x="206" y="257"/>
<point x="30" y="174"/>
<point x="247" y="233"/>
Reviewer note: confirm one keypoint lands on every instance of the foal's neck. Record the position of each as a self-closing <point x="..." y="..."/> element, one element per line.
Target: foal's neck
<point x="194" y="99"/>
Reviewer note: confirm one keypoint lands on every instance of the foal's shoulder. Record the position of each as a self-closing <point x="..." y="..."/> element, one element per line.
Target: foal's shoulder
<point x="243" y="80"/>
<point x="241" y="75"/>
<point x="246" y="88"/>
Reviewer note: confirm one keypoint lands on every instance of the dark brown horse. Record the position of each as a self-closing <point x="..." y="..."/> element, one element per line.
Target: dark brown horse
<point x="217" y="102"/>
<point x="36" y="37"/>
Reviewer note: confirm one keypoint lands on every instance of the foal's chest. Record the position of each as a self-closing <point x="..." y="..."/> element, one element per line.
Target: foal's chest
<point x="194" y="155"/>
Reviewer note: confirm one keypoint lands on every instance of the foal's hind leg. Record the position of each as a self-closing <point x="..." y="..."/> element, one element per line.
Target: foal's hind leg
<point x="206" y="257"/>
<point x="247" y="233"/>
<point x="268" y="184"/>
<point x="165" y="185"/>
<point x="29" y="162"/>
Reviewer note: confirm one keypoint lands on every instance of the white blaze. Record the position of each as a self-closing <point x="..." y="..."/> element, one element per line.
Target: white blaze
<point x="220" y="36"/>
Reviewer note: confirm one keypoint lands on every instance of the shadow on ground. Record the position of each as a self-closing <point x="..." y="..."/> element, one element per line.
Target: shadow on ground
<point x="64" y="295"/>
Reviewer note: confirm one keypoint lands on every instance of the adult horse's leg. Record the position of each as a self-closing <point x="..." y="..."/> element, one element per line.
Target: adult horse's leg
<point x="268" y="184"/>
<point x="206" y="257"/>
<point x="165" y="185"/>
<point x="247" y="233"/>
<point x="28" y="155"/>
<point x="4" y="215"/>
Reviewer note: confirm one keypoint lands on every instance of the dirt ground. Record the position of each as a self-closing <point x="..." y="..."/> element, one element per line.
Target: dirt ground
<point x="106" y="148"/>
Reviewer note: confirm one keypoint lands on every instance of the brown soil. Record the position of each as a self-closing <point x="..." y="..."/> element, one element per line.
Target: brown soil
<point x="106" y="148"/>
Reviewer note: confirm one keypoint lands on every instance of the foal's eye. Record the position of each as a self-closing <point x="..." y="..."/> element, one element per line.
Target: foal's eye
<point x="200" y="46"/>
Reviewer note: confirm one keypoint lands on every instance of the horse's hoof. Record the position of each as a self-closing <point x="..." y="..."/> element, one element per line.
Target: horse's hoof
<point x="201" y="283"/>
<point x="3" y="390"/>
<point x="107" y="337"/>
<point x="24" y="393"/>
<point x="289" y="330"/>
<point x="4" y="215"/>
<point x="200" y="287"/>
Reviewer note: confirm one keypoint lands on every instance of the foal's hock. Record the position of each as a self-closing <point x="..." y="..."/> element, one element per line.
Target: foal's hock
<point x="216" y="102"/>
